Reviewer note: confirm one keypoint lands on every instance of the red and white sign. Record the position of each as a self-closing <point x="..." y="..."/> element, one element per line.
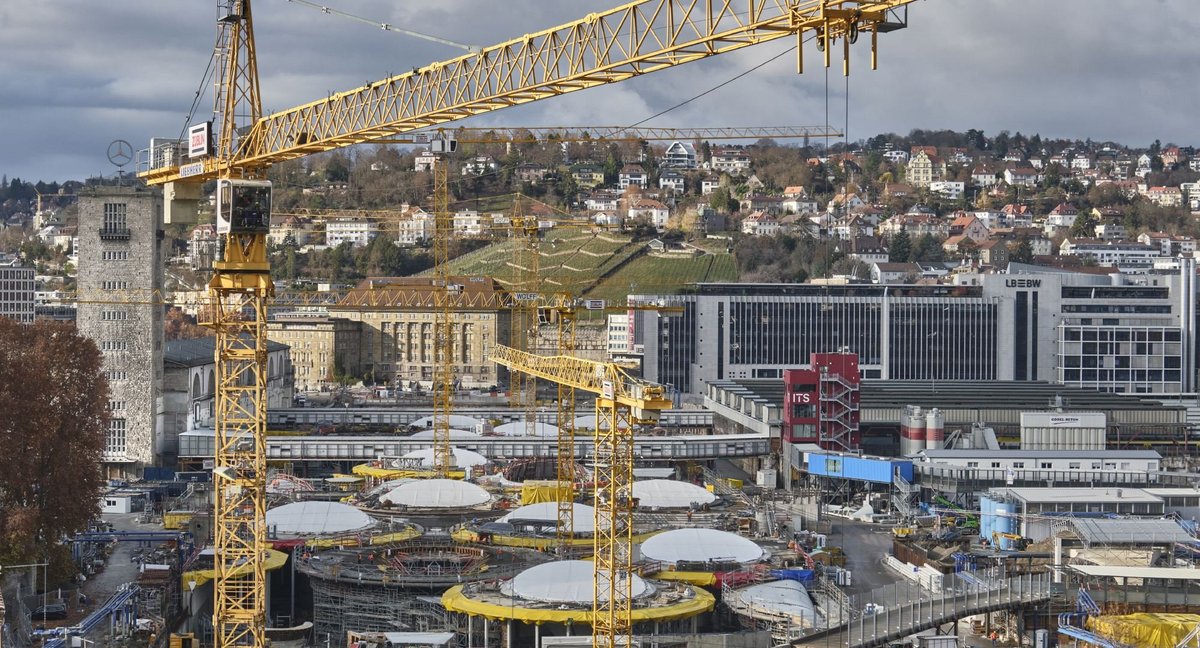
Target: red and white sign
<point x="200" y="140"/>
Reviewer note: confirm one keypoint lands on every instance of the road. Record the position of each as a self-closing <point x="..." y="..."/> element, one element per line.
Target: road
<point x="119" y="569"/>
<point x="865" y="546"/>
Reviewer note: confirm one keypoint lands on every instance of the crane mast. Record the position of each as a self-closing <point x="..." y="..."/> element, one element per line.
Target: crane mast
<point x="239" y="289"/>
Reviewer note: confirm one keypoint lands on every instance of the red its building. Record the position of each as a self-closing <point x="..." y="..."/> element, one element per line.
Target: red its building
<point x="821" y="404"/>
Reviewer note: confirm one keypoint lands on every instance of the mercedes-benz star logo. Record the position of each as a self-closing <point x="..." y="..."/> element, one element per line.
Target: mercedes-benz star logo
<point x="120" y="152"/>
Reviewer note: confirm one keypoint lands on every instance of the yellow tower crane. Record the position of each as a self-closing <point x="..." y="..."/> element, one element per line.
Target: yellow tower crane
<point x="605" y="47"/>
<point x="622" y="403"/>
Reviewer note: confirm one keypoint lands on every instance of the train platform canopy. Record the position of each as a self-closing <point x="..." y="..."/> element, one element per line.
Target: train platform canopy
<point x="316" y="519"/>
<point x="546" y="514"/>
<point x="588" y="422"/>
<point x="464" y="459"/>
<point x="455" y="435"/>
<point x="437" y="493"/>
<point x="1133" y="531"/>
<point x="701" y="546"/>
<point x="456" y="421"/>
<point x="563" y="582"/>
<point x="522" y="429"/>
<point x="669" y="494"/>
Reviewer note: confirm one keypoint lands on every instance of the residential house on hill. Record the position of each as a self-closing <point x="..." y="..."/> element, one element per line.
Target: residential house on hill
<point x="480" y="165"/>
<point x="969" y="226"/>
<point x="984" y="175"/>
<point x="1171" y="245"/>
<point x="679" y="155"/>
<point x="760" y="223"/>
<point x="923" y="168"/>
<point x="631" y="175"/>
<point x="844" y="203"/>
<point x="588" y="177"/>
<point x="760" y="202"/>
<point x="733" y="161"/>
<point x="994" y="253"/>
<point x="672" y="180"/>
<point x="653" y="211"/>
<point x="889" y="273"/>
<point x="1021" y="176"/>
<point x="868" y="249"/>
<point x="1062" y="217"/>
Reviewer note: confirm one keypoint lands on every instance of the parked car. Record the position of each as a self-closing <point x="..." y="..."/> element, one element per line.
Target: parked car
<point x="56" y="611"/>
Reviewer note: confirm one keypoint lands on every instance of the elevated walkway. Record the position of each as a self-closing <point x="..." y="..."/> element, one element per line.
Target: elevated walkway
<point x="923" y="611"/>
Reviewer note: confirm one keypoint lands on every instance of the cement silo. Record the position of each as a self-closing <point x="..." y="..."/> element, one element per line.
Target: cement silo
<point x="935" y="430"/>
<point x="912" y="430"/>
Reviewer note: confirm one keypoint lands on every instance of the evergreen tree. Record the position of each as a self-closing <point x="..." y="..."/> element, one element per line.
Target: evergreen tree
<point x="900" y="248"/>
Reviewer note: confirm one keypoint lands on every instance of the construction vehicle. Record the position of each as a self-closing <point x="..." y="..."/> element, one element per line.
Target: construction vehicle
<point x="1019" y="542"/>
<point x="602" y="48"/>
<point x="903" y="531"/>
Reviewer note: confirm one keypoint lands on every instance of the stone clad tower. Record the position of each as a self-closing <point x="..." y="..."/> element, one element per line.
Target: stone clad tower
<point x="120" y="288"/>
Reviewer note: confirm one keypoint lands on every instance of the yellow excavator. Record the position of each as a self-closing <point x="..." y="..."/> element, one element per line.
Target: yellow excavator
<point x="1019" y="542"/>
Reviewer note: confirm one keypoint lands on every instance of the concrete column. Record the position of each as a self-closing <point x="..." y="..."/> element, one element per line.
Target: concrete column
<point x="470" y="631"/>
<point x="537" y="635"/>
<point x="508" y="642"/>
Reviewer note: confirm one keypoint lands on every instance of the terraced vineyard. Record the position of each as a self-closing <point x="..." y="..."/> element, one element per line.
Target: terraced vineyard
<point x="571" y="259"/>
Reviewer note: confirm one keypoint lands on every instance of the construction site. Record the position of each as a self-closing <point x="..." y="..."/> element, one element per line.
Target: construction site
<point x="507" y="483"/>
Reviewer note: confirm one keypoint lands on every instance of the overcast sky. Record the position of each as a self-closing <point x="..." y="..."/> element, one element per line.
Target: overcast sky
<point x="76" y="74"/>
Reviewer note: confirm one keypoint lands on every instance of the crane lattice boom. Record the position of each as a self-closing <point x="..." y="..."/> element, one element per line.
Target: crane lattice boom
<point x="607" y="47"/>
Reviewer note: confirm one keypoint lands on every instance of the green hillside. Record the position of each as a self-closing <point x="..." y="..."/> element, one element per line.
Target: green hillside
<point x="663" y="275"/>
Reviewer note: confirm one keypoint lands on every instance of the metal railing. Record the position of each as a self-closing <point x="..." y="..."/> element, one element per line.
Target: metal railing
<point x="896" y="611"/>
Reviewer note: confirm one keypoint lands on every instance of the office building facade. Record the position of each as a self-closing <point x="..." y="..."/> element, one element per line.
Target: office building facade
<point x="17" y="293"/>
<point x="1095" y="331"/>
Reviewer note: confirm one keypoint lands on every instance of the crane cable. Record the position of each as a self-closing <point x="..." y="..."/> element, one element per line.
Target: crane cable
<point x="473" y="49"/>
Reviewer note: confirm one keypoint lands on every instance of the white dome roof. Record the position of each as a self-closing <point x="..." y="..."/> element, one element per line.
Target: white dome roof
<point x="583" y="518"/>
<point x="464" y="459"/>
<point x="564" y="581"/>
<point x="456" y="421"/>
<point x="437" y="493"/>
<point x="317" y="518"/>
<point x="700" y="545"/>
<point x="668" y="493"/>
<point x="519" y="428"/>
<point x="454" y="434"/>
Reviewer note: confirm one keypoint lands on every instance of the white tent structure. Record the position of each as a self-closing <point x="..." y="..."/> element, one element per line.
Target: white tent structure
<point x="520" y="428"/>
<point x="668" y="493"/>
<point x="464" y="459"/>
<point x="701" y="545"/>
<point x="565" y="582"/>
<point x="316" y="518"/>
<point x="456" y="421"/>
<point x="437" y="493"/>
<point x="546" y="514"/>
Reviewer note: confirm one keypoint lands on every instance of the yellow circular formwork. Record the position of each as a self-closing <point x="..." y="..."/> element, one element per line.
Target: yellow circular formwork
<point x="531" y="542"/>
<point x="455" y="601"/>
<point x="275" y="560"/>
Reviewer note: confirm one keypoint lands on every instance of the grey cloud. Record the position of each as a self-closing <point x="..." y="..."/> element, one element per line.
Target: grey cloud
<point x="77" y="75"/>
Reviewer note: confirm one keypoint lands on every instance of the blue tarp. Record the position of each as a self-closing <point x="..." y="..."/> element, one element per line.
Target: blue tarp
<point x="801" y="575"/>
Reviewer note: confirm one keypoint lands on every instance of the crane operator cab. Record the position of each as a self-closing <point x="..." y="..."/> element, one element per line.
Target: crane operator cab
<point x="243" y="206"/>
